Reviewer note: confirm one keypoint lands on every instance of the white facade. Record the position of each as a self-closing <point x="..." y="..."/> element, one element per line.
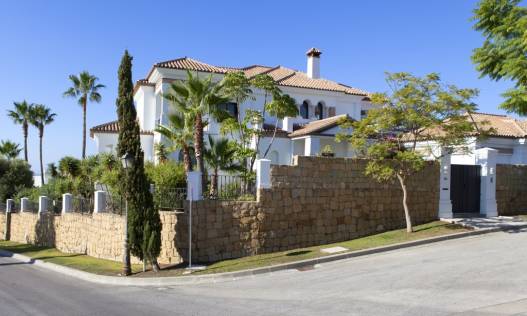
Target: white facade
<point x="152" y="109"/>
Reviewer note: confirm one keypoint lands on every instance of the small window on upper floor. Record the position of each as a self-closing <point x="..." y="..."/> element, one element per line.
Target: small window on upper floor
<point x="304" y="110"/>
<point x="363" y="113"/>
<point x="319" y="111"/>
<point x="229" y="107"/>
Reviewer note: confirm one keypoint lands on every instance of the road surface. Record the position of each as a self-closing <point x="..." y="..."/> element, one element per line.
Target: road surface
<point x="483" y="275"/>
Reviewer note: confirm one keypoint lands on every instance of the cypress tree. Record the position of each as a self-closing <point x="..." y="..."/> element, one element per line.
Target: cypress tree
<point x="144" y="223"/>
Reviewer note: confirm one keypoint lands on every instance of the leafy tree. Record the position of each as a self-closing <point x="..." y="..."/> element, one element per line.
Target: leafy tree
<point x="144" y="223"/>
<point x="249" y="129"/>
<point x="9" y="149"/>
<point x="281" y="107"/>
<point x="197" y="98"/>
<point x="503" y="54"/>
<point x="41" y="116"/>
<point x="22" y="115"/>
<point x="84" y="88"/>
<point x="15" y="175"/>
<point x="418" y="111"/>
<point x="69" y="167"/>
<point x="220" y="156"/>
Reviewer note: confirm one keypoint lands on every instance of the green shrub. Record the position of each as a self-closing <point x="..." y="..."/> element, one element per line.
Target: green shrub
<point x="169" y="174"/>
<point x="15" y="175"/>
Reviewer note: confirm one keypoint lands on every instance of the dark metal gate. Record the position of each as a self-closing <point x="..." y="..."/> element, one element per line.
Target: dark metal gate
<point x="465" y="188"/>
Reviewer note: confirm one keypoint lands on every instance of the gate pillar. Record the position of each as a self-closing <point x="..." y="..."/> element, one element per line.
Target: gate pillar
<point x="486" y="158"/>
<point x="445" y="204"/>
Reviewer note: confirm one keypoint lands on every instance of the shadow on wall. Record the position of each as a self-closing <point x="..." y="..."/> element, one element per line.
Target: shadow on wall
<point x="45" y="230"/>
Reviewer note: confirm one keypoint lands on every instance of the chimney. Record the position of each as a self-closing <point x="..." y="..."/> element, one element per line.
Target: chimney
<point x="313" y="63"/>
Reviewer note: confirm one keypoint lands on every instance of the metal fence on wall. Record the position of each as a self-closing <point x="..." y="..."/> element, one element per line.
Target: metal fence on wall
<point x="169" y="198"/>
<point x="115" y="203"/>
<point x="82" y="204"/>
<point x="229" y="187"/>
<point x="55" y="206"/>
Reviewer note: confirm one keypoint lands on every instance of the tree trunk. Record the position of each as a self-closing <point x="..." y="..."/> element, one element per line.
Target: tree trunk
<point x="187" y="161"/>
<point x="198" y="150"/>
<point x="155" y="264"/>
<point x="41" y="163"/>
<point x="198" y="141"/>
<point x="84" y="127"/>
<point x="409" y="227"/>
<point x="25" y="128"/>
<point x="214" y="185"/>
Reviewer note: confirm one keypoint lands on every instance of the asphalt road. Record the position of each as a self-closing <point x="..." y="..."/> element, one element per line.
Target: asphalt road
<point x="483" y="275"/>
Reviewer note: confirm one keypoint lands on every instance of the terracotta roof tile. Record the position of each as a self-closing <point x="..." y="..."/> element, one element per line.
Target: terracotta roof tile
<point x="494" y="124"/>
<point x="318" y="126"/>
<point x="282" y="75"/>
<point x="186" y="63"/>
<point x="111" y="128"/>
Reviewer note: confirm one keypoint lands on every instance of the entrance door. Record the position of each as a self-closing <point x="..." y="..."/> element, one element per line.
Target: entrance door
<point x="465" y="188"/>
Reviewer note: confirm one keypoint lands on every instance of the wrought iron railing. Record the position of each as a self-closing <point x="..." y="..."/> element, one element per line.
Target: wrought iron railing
<point x="31" y="207"/>
<point x="229" y="187"/>
<point x="115" y="203"/>
<point x="82" y="205"/>
<point x="55" y="206"/>
<point x="169" y="198"/>
<point x="3" y="207"/>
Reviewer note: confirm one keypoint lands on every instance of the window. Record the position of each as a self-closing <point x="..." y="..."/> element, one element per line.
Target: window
<point x="363" y="113"/>
<point x="304" y="110"/>
<point x="229" y="107"/>
<point x="319" y="111"/>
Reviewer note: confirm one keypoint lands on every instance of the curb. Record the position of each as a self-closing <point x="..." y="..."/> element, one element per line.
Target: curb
<point x="232" y="276"/>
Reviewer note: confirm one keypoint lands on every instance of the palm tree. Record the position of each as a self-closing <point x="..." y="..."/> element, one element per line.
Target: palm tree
<point x="69" y="167"/>
<point x="161" y="152"/>
<point x="22" y="115"/>
<point x="41" y="117"/>
<point x="179" y="133"/>
<point x="197" y="97"/>
<point x="220" y="156"/>
<point x="9" y="149"/>
<point x="85" y="87"/>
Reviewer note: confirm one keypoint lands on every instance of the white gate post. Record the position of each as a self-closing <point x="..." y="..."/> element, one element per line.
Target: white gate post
<point x="42" y="204"/>
<point x="67" y="203"/>
<point x="99" y="201"/>
<point x="263" y="173"/>
<point x="445" y="204"/>
<point x="486" y="158"/>
<point x="24" y="204"/>
<point x="194" y="187"/>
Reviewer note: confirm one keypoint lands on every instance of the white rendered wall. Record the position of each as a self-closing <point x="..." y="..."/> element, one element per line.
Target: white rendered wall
<point x="107" y="143"/>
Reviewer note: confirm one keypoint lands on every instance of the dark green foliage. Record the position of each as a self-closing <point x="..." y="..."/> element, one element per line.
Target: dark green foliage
<point x="144" y="223"/>
<point x="15" y="175"/>
<point x="503" y="54"/>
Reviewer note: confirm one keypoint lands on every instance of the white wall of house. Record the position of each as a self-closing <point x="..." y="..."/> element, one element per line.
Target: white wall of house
<point x="107" y="143"/>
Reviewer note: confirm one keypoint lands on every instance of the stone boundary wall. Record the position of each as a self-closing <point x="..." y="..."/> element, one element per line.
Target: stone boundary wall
<point x="99" y="235"/>
<point x="2" y="225"/>
<point x="511" y="189"/>
<point x="317" y="201"/>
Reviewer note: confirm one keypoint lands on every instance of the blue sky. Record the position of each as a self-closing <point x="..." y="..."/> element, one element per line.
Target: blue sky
<point x="45" y="41"/>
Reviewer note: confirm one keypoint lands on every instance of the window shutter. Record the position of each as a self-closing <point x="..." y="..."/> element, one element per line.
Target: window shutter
<point x="331" y="111"/>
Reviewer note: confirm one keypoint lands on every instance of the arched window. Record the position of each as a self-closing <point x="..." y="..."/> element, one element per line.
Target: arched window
<point x="319" y="111"/>
<point x="304" y="110"/>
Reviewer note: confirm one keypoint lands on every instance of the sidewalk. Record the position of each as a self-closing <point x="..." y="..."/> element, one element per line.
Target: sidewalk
<point x="500" y="222"/>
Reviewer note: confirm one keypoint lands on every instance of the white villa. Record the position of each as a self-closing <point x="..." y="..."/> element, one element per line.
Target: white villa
<point x="321" y="104"/>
